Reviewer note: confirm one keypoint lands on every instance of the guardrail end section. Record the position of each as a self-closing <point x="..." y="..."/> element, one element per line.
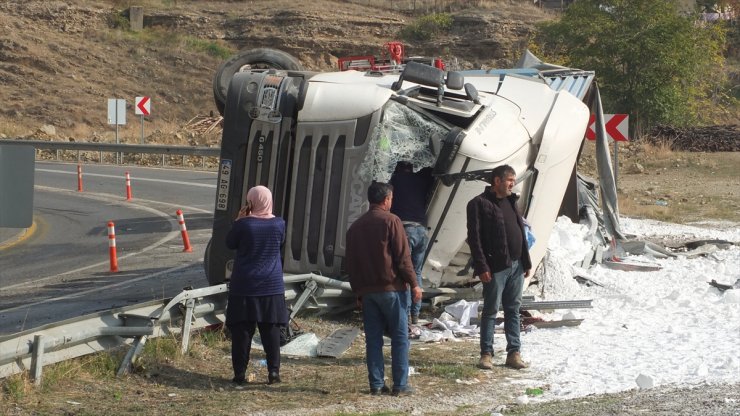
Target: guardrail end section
<point x="132" y="355"/>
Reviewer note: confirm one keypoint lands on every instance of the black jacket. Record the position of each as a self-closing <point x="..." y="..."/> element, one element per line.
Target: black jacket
<point x="487" y="234"/>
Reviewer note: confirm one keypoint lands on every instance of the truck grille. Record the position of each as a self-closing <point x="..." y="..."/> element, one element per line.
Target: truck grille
<point x="315" y="185"/>
<point x="321" y="195"/>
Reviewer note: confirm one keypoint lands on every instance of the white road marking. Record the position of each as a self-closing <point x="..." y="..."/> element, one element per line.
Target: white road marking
<point x="101" y="288"/>
<point x="174" y="233"/>
<point x="136" y="179"/>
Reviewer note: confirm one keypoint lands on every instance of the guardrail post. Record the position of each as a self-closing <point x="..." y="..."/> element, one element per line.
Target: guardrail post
<point x="186" y="325"/>
<point x="37" y="359"/>
<point x="131" y="355"/>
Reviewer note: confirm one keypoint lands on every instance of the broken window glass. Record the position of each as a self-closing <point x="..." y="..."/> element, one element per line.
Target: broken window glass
<point x="403" y="134"/>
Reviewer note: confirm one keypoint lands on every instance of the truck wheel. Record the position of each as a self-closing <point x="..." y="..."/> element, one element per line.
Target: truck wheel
<point x="260" y="58"/>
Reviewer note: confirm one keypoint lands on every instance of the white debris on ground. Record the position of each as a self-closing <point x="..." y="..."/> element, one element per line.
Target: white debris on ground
<point x="646" y="329"/>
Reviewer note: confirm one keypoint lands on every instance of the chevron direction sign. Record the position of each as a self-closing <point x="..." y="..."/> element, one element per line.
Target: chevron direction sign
<point x="142" y="106"/>
<point x="617" y="127"/>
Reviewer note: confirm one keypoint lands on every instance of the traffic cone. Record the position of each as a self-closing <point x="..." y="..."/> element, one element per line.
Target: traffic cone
<point x="128" y="187"/>
<point x="184" y="231"/>
<point x="79" y="178"/>
<point x="112" y="247"/>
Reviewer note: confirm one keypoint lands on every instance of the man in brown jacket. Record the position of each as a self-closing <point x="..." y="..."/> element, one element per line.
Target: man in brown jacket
<point x="378" y="261"/>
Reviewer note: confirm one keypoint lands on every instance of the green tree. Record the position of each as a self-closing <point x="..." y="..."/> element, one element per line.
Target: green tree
<point x="651" y="61"/>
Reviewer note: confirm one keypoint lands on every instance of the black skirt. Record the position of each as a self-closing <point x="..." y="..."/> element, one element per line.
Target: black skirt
<point x="261" y="309"/>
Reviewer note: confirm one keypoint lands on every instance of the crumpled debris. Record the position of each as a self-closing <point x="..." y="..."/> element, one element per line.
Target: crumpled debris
<point x="462" y="310"/>
<point x="455" y="327"/>
<point x="451" y="325"/>
<point x="436" y="336"/>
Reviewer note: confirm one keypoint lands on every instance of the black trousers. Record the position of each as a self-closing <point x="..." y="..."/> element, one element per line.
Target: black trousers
<point x="241" y="345"/>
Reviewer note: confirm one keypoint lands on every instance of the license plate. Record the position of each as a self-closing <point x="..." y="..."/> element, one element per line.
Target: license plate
<point x="224" y="178"/>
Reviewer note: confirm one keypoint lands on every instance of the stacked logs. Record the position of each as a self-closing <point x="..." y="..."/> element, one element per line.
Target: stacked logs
<point x="202" y="125"/>
<point x="697" y="139"/>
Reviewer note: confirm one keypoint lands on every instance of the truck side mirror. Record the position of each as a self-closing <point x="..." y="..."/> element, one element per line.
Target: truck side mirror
<point x="420" y="74"/>
<point x="455" y="80"/>
<point x="472" y="93"/>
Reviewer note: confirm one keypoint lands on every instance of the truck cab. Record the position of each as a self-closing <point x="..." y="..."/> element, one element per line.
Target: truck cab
<point x="318" y="140"/>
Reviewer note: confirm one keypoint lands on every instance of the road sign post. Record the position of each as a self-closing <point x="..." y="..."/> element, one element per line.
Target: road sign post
<point x="617" y="128"/>
<point x="117" y="116"/>
<point x="142" y="107"/>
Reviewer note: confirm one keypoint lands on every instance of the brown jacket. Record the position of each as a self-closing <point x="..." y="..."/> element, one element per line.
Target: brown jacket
<point x="378" y="257"/>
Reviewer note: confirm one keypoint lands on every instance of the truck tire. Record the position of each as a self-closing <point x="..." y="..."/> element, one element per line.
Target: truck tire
<point x="260" y="58"/>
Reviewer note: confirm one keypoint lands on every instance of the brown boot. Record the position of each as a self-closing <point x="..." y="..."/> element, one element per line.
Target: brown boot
<point x="486" y="361"/>
<point x="514" y="360"/>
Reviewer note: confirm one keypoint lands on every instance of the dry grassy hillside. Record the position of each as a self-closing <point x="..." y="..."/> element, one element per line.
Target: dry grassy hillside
<point x="61" y="61"/>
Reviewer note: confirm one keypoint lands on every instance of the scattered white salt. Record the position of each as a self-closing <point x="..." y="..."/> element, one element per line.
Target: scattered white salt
<point x="644" y="382"/>
<point x="640" y="322"/>
<point x="731" y="296"/>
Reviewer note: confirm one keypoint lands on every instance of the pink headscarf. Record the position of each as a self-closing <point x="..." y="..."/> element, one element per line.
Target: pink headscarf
<point x="261" y="200"/>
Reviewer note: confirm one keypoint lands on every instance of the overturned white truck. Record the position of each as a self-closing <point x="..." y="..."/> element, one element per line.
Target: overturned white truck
<point x="317" y="140"/>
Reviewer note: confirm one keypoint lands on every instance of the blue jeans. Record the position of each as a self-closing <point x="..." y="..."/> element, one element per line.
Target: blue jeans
<point x="381" y="311"/>
<point x="505" y="287"/>
<point x="418" y="240"/>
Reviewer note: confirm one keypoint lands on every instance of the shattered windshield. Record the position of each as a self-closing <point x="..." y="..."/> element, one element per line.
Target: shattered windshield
<point x="403" y="134"/>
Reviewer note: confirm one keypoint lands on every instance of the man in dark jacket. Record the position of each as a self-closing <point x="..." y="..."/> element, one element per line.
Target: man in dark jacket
<point x="501" y="260"/>
<point x="411" y="190"/>
<point x="380" y="270"/>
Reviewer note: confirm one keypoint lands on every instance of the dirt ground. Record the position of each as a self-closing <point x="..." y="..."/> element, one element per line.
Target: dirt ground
<point x="673" y="186"/>
<point x="444" y="376"/>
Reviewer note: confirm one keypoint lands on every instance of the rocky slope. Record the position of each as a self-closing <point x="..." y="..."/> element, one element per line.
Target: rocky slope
<point x="61" y="61"/>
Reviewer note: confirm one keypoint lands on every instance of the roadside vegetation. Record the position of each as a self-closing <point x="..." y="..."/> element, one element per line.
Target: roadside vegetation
<point x="197" y="383"/>
<point x="427" y="27"/>
<point x="654" y="61"/>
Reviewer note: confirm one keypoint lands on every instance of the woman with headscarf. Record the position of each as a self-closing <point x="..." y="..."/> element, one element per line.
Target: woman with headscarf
<point x="256" y="289"/>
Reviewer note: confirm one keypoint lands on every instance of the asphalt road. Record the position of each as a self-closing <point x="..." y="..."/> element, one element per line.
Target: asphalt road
<point x="60" y="268"/>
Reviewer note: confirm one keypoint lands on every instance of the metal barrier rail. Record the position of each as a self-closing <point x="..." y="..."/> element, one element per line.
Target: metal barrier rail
<point x="118" y="149"/>
<point x="32" y="349"/>
<point x="190" y="309"/>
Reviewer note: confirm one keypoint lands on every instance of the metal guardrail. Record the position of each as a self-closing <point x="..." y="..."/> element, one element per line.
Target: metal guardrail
<point x="118" y="149"/>
<point x="32" y="349"/>
<point x="191" y="309"/>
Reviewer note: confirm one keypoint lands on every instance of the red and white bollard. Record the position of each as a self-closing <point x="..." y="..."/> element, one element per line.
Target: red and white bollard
<point x="112" y="247"/>
<point x="128" y="187"/>
<point x="79" y="178"/>
<point x="184" y="231"/>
